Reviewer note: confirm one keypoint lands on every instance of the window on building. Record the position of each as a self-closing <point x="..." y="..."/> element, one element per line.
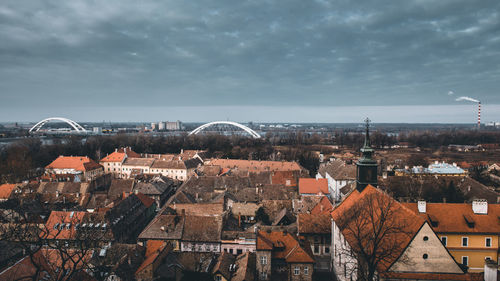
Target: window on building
<point x="263" y="275"/>
<point x="444" y="240"/>
<point x="465" y="260"/>
<point x="263" y="259"/>
<point x="306" y="270"/>
<point x="488" y="241"/>
<point x="218" y="278"/>
<point x="239" y="251"/>
<point x="327" y="250"/>
<point x="316" y="249"/>
<point x="465" y="241"/>
<point x="296" y="270"/>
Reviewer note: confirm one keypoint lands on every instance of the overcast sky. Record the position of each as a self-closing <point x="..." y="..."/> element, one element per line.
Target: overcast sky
<point x="283" y="60"/>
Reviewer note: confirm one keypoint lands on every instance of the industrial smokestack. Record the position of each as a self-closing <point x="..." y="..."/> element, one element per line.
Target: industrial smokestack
<point x="479" y="116"/>
<point x="478" y="111"/>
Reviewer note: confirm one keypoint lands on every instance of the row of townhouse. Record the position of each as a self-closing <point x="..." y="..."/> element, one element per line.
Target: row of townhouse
<point x="125" y="163"/>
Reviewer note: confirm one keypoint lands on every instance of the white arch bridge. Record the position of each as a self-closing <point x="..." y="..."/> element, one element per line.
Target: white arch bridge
<point x="243" y="127"/>
<point x="77" y="127"/>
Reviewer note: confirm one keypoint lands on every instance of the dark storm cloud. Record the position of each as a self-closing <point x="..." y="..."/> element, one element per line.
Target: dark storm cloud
<point x="189" y="53"/>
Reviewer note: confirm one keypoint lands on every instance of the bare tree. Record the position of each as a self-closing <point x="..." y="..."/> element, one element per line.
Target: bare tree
<point x="53" y="251"/>
<point x="376" y="234"/>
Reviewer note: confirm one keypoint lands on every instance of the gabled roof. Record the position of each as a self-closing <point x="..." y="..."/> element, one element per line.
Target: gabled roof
<point x="119" y="155"/>
<point x="202" y="229"/>
<point x="153" y="251"/>
<point x="168" y="227"/>
<point x="400" y="216"/>
<point x="58" y="222"/>
<point x="284" y="245"/>
<point x="78" y="163"/>
<point x="224" y="261"/>
<point x="120" y="186"/>
<point x="451" y="217"/>
<point x="338" y="170"/>
<point x="253" y="165"/>
<point x="145" y="200"/>
<point x="145" y="162"/>
<point x="153" y="188"/>
<point x="199" y="209"/>
<point x="245" y="264"/>
<point x="314" y="224"/>
<point x="6" y="190"/>
<point x="313" y="186"/>
<point x="324" y="206"/>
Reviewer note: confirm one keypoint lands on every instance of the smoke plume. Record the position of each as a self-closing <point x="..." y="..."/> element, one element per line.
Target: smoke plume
<point x="467" y="99"/>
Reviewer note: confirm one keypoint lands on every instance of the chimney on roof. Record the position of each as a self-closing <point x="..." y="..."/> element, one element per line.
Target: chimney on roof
<point x="422" y="206"/>
<point x="490" y="270"/>
<point x="480" y="206"/>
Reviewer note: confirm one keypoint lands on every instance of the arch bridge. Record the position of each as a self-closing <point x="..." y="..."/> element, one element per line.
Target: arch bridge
<point x="77" y="127"/>
<point x="243" y="127"/>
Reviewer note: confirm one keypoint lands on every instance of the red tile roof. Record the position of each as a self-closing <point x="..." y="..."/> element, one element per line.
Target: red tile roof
<point x="400" y="215"/>
<point x="313" y="186"/>
<point x="324" y="206"/>
<point x="119" y="155"/>
<point x="146" y="200"/>
<point x="451" y="217"/>
<point x="314" y="224"/>
<point x="252" y="165"/>
<point x="153" y="251"/>
<point x="62" y="218"/>
<point x="284" y="246"/>
<point x="78" y="163"/>
<point x="6" y="190"/>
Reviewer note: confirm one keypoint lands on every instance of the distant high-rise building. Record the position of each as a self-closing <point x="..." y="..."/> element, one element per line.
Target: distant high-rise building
<point x="161" y="126"/>
<point x="174" y="126"/>
<point x="153" y="126"/>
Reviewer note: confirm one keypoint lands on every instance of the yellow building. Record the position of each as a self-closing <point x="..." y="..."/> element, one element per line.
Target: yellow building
<point x="470" y="231"/>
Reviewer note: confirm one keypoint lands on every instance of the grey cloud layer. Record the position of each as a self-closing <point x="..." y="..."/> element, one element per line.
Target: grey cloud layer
<point x="248" y="52"/>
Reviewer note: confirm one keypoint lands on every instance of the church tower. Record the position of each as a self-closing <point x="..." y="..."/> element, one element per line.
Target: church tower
<point x="366" y="166"/>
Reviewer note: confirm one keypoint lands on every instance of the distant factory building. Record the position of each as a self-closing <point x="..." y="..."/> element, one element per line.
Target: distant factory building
<point x="437" y="168"/>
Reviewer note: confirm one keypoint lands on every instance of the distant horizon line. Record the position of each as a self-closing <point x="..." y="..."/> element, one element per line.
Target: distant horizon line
<point x="464" y="113"/>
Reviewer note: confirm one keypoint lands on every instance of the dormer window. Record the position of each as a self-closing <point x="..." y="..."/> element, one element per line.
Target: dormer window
<point x="469" y="220"/>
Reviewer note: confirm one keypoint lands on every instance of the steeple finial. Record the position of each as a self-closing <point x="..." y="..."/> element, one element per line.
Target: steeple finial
<point x="367" y="135"/>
